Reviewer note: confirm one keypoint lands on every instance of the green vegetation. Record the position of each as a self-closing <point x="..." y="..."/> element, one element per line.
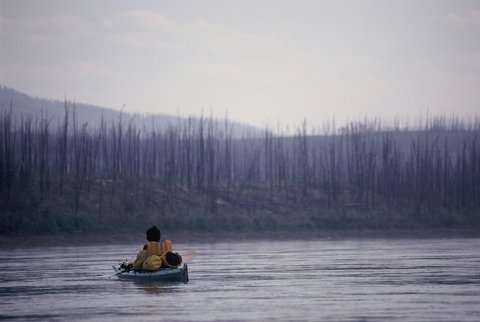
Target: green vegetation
<point x="194" y="176"/>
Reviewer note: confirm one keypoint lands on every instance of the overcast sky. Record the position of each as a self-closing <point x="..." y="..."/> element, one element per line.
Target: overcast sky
<point x="262" y="62"/>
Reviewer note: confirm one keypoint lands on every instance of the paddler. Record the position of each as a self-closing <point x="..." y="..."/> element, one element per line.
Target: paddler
<point x="156" y="253"/>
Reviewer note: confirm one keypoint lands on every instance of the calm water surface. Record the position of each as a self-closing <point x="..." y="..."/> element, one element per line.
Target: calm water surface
<point x="341" y="280"/>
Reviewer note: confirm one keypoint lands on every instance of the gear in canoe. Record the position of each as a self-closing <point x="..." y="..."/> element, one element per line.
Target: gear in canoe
<point x="156" y="261"/>
<point x="162" y="274"/>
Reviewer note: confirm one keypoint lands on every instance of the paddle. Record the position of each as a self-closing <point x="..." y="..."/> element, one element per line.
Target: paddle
<point x="188" y="256"/>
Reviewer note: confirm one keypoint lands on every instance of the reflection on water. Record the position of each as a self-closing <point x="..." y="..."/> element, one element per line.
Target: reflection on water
<point x="154" y="287"/>
<point x="343" y="280"/>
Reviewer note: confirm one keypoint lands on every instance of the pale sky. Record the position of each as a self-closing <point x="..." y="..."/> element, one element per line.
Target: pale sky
<point x="262" y="62"/>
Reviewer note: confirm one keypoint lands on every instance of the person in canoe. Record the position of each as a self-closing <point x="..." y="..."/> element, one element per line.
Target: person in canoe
<point x="156" y="253"/>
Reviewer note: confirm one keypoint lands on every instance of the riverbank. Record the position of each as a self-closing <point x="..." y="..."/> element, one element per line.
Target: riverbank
<point x="187" y="237"/>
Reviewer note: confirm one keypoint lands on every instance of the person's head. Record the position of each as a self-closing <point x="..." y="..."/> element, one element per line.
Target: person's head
<point x="153" y="234"/>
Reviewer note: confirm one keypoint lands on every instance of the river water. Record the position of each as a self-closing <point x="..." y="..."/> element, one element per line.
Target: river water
<point x="327" y="280"/>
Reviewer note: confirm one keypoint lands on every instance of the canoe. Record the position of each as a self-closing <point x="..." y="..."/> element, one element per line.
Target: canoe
<point x="163" y="274"/>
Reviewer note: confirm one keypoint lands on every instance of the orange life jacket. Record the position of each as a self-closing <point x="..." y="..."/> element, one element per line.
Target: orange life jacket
<point x="158" y="248"/>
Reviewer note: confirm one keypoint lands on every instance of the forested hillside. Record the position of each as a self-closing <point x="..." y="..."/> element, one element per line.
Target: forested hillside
<point x="196" y="175"/>
<point x="22" y="106"/>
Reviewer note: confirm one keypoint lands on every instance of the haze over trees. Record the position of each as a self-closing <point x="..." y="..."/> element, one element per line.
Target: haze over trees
<point x="23" y="106"/>
<point x="194" y="174"/>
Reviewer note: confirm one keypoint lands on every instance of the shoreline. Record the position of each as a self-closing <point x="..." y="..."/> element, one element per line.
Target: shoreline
<point x="185" y="237"/>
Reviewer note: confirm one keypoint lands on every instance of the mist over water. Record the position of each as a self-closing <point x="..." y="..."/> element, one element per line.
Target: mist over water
<point x="328" y="280"/>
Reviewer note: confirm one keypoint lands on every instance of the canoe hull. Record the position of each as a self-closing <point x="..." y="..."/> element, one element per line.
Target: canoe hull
<point x="165" y="274"/>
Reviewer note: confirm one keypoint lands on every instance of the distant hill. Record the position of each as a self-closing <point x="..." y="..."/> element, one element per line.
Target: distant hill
<point x="24" y="105"/>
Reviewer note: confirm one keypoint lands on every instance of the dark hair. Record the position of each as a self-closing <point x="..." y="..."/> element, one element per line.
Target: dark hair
<point x="153" y="234"/>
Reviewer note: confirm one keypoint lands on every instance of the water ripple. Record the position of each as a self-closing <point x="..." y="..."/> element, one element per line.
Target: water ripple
<point x="347" y="280"/>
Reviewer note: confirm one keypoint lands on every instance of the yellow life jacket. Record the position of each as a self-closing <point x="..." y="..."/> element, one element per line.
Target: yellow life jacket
<point x="158" y="248"/>
<point x="153" y="255"/>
